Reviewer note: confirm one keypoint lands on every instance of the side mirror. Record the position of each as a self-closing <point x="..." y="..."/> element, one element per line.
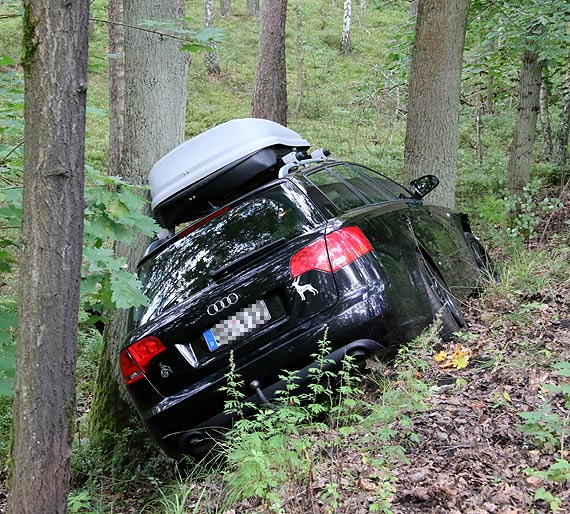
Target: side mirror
<point x="424" y="185"/>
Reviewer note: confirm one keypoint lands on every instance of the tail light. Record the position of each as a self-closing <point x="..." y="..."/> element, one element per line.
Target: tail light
<point x="332" y="252"/>
<point x="135" y="359"/>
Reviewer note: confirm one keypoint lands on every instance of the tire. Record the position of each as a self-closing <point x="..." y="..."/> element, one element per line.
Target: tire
<point x="487" y="270"/>
<point x="442" y="301"/>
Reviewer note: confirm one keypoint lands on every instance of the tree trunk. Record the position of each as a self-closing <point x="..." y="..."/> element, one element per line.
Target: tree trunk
<point x="520" y="158"/>
<point x="253" y="8"/>
<point x="225" y="7"/>
<point x="345" y="39"/>
<point x="300" y="56"/>
<point x="270" y="90"/>
<point x="55" y="66"/>
<point x="414" y="8"/>
<point x="545" y="123"/>
<point x="561" y="142"/>
<point x="116" y="84"/>
<point x="432" y="129"/>
<point x="155" y="106"/>
<point x="479" y="130"/>
<point x="211" y="60"/>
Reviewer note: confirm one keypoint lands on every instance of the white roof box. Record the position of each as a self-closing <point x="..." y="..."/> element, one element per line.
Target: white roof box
<point x="240" y="150"/>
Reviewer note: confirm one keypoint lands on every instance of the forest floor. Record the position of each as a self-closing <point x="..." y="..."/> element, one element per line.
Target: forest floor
<point x="469" y="453"/>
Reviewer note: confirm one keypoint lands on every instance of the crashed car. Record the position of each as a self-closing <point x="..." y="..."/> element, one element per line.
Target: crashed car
<point x="265" y="247"/>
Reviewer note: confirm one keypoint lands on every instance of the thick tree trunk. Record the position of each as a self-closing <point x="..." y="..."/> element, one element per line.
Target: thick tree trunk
<point x="116" y="84"/>
<point x="55" y="65"/>
<point x="211" y="60"/>
<point x="155" y="106"/>
<point x="545" y="123"/>
<point x="560" y="151"/>
<point x="270" y="90"/>
<point x="225" y="7"/>
<point x="520" y="158"/>
<point x="345" y="38"/>
<point x="432" y="129"/>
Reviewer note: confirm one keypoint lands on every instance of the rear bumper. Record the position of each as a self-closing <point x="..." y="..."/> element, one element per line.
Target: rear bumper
<point x="366" y="326"/>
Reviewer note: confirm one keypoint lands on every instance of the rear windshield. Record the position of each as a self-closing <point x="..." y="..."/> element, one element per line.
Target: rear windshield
<point x="269" y="216"/>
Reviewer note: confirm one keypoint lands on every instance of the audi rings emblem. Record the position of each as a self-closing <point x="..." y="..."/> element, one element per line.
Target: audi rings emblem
<point x="223" y="303"/>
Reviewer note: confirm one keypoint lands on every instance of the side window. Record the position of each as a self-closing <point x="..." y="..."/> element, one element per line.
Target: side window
<point x="396" y="189"/>
<point x="369" y="188"/>
<point x="336" y="191"/>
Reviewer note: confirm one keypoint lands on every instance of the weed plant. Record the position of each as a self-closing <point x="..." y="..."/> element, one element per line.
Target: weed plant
<point x="548" y="427"/>
<point x="298" y="442"/>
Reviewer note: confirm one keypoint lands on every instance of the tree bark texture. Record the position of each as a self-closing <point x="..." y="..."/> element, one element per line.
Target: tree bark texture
<point x="154" y="119"/>
<point x="116" y="84"/>
<point x="55" y="66"/>
<point x="270" y="90"/>
<point x="414" y="7"/>
<point x="545" y="123"/>
<point x="211" y="60"/>
<point x="346" y="19"/>
<point x="432" y="129"/>
<point x="560" y="150"/>
<point x="225" y="7"/>
<point x="520" y="156"/>
<point x="253" y="8"/>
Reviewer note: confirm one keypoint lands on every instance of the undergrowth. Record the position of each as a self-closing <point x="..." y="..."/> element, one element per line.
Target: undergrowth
<point x="301" y="441"/>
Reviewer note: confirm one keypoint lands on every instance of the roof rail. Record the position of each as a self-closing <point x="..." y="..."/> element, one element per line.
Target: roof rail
<point x="295" y="160"/>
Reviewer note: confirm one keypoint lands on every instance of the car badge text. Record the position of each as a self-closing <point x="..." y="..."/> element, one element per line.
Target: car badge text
<point x="221" y="304"/>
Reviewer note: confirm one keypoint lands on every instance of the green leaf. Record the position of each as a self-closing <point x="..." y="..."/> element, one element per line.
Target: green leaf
<point x="126" y="290"/>
<point x="6" y="60"/>
<point x="563" y="368"/>
<point x="7" y="369"/>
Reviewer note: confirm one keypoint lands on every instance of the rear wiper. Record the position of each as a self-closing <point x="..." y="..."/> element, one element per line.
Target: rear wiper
<point x="248" y="258"/>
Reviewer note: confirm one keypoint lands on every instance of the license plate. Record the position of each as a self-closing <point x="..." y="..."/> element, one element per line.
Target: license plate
<point x="237" y="326"/>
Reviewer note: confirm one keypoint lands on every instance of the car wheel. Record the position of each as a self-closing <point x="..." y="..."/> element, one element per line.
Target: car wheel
<point x="442" y="301"/>
<point x="487" y="269"/>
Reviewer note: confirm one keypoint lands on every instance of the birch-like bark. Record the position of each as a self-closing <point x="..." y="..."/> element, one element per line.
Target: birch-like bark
<point x="346" y="19"/>
<point x="545" y="123"/>
<point x="211" y="60"/>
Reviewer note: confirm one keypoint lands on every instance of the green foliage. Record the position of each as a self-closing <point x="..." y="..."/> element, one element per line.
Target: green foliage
<point x="79" y="502"/>
<point x="516" y="219"/>
<point x="285" y="442"/>
<point x="5" y="427"/>
<point x="545" y="427"/>
<point x="549" y="429"/>
<point x="114" y="213"/>
<point x="192" y="40"/>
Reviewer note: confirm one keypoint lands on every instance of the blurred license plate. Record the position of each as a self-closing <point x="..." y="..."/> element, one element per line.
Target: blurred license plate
<point x="237" y="326"/>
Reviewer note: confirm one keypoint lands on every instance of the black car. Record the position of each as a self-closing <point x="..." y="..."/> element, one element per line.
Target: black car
<point x="333" y="246"/>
